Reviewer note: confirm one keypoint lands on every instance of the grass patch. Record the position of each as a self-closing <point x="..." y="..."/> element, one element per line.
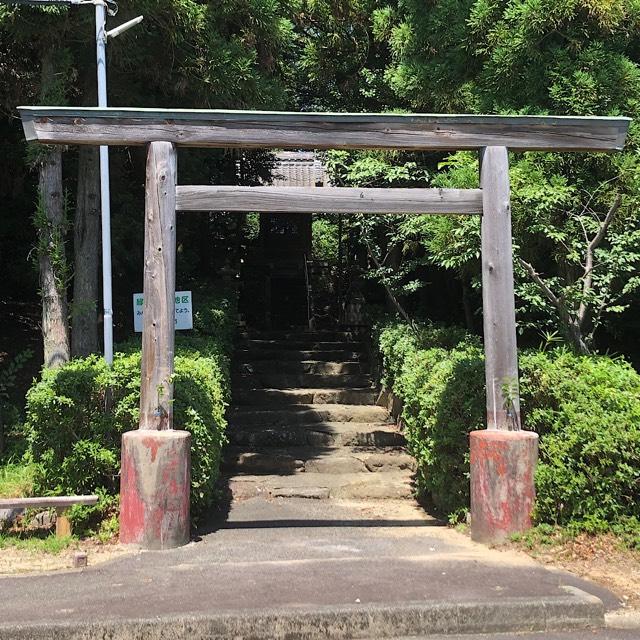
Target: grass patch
<point x="35" y="543"/>
<point x="543" y="536"/>
<point x="624" y="534"/>
<point x="16" y="480"/>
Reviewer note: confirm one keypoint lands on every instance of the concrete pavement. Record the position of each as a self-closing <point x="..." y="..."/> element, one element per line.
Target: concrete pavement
<point x="299" y="568"/>
<point x="584" y="634"/>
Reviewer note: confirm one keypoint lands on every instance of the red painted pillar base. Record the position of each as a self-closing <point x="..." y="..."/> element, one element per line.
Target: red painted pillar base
<point x="502" y="483"/>
<point x="155" y="481"/>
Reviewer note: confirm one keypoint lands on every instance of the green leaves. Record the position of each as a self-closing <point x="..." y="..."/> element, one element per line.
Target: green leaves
<point x="585" y="408"/>
<point x="76" y="414"/>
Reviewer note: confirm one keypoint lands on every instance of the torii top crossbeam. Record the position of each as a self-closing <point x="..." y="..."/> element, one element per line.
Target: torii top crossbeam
<point x="215" y="128"/>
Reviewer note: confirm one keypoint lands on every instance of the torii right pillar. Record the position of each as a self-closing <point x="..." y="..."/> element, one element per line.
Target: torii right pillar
<point x="503" y="457"/>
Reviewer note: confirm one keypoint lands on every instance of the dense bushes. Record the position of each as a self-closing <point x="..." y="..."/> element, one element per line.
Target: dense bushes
<point x="76" y="414"/>
<point x="585" y="408"/>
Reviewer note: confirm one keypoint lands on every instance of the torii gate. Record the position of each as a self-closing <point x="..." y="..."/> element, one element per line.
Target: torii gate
<point x="155" y="476"/>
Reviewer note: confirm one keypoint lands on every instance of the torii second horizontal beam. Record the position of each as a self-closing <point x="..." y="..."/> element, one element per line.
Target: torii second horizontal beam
<point x="327" y="199"/>
<point x="282" y="130"/>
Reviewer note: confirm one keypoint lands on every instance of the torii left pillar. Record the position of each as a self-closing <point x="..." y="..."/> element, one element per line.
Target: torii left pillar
<point x="155" y="474"/>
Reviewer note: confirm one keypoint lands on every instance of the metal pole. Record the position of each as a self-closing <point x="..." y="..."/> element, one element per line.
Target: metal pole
<point x="105" y="202"/>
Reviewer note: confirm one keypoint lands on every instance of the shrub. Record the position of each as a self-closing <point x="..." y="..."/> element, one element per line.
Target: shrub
<point x="76" y="414"/>
<point x="324" y="234"/>
<point x="587" y="412"/>
<point x="585" y="408"/>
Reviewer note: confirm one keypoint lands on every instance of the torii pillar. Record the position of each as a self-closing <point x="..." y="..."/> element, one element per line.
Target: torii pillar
<point x="156" y="471"/>
<point x="503" y="457"/>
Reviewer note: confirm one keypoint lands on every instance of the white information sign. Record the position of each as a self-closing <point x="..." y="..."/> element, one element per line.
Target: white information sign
<point x="184" y="311"/>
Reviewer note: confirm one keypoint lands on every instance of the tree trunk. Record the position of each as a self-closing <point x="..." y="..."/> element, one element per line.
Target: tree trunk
<point x="86" y="246"/>
<point x="53" y="286"/>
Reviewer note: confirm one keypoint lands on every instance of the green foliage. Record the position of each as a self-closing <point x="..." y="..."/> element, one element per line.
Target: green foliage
<point x="76" y="414"/>
<point x="338" y="55"/>
<point x="215" y="310"/>
<point x="626" y="531"/>
<point x="529" y="57"/>
<point x="16" y="479"/>
<point x="586" y="410"/>
<point x="325" y="239"/>
<point x="438" y="375"/>
<point x="51" y="241"/>
<point x="394" y="255"/>
<point x="377" y="168"/>
<point x="50" y="543"/>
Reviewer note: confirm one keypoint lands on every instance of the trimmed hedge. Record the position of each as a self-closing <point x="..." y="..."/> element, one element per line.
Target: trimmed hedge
<point x="585" y="408"/>
<point x="76" y="414"/>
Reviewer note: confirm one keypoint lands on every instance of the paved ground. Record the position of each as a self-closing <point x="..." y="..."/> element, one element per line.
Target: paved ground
<point x="293" y="555"/>
<point x="604" y="634"/>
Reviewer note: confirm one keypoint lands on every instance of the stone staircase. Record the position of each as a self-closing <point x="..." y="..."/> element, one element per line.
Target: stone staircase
<point x="304" y="422"/>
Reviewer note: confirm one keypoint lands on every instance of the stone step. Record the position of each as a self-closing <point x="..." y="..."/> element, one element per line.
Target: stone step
<point x="317" y="460"/>
<point x="299" y="334"/>
<point x="319" y="434"/>
<point x="303" y="366"/>
<point x="305" y="345"/>
<point x="330" y="355"/>
<point x="261" y="397"/>
<point x="306" y="414"/>
<point x="301" y="380"/>
<point x="356" y="486"/>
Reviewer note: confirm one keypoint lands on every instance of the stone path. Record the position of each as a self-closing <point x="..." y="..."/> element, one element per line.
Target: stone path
<point x="305" y="422"/>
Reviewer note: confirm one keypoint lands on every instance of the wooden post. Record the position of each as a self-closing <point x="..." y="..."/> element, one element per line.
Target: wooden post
<point x="500" y="348"/>
<point x="63" y="524"/>
<point x="158" y="329"/>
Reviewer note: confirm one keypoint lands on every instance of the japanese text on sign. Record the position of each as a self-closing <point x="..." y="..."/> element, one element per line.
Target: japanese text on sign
<point x="183" y="311"/>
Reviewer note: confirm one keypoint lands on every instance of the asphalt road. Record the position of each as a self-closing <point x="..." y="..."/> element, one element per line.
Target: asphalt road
<point x="602" y="634"/>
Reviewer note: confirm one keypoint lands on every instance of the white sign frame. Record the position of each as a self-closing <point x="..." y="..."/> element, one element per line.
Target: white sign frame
<point x="183" y="311"/>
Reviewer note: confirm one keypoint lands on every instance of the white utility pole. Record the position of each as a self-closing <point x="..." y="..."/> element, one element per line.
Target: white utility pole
<point x="105" y="199"/>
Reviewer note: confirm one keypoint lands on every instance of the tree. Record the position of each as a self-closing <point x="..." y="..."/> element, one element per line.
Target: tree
<point x="187" y="54"/>
<point x="86" y="246"/>
<point x="50" y="216"/>
<point x="576" y="261"/>
<point x="51" y="224"/>
<point x="561" y="57"/>
<point x="340" y="56"/>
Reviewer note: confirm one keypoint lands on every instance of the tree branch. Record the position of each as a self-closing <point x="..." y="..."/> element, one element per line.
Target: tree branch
<point x="387" y="288"/>
<point x="587" y="277"/>
<point x="535" y="276"/>
<point x="572" y="326"/>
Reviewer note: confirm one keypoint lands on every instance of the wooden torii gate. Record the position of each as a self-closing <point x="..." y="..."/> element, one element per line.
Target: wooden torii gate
<point x="155" y="476"/>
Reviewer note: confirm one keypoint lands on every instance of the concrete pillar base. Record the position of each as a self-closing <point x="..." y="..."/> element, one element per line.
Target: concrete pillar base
<point x="502" y="483"/>
<point x="155" y="482"/>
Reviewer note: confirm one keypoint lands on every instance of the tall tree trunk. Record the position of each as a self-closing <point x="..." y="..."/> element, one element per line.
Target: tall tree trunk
<point x="51" y="228"/>
<point x="52" y="263"/>
<point x="86" y="247"/>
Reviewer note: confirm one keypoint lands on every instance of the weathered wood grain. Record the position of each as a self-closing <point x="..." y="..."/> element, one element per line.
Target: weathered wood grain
<point x="498" y="304"/>
<point x="158" y="328"/>
<point x="58" y="502"/>
<point x="63" y="524"/>
<point x="327" y="199"/>
<point x="211" y="128"/>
